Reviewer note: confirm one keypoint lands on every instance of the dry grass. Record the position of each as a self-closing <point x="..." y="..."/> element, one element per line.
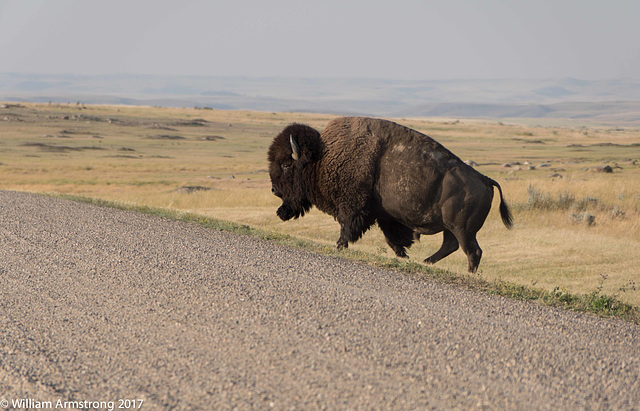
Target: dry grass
<point x="144" y="155"/>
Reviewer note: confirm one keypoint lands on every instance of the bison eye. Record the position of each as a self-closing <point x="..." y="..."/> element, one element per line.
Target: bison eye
<point x="285" y="166"/>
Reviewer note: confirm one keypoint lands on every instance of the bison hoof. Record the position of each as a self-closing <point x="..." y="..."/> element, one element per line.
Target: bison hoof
<point x="341" y="246"/>
<point x="401" y="254"/>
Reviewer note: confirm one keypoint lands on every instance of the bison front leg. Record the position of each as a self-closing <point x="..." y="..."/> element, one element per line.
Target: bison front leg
<point x="399" y="237"/>
<point x="342" y="243"/>
<point x="352" y="227"/>
<point x="346" y="236"/>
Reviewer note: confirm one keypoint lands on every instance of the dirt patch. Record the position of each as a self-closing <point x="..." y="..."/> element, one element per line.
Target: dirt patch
<point x="161" y="127"/>
<point x="199" y="122"/>
<point x="51" y="148"/>
<point x="192" y="189"/>
<point x="166" y="137"/>
<point x="212" y="138"/>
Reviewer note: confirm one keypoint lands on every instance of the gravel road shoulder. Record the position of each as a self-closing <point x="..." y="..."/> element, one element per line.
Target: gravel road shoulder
<point x="99" y="304"/>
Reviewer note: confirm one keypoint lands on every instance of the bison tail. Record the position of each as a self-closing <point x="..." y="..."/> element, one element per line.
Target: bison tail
<point x="505" y="212"/>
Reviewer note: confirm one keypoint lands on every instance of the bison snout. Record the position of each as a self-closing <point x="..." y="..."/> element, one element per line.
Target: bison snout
<point x="285" y="212"/>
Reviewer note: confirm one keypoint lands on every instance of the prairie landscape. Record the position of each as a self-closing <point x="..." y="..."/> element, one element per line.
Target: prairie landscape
<point x="574" y="190"/>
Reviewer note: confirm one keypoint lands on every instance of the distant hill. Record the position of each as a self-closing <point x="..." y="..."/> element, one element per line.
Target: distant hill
<point x="622" y="113"/>
<point x="605" y="102"/>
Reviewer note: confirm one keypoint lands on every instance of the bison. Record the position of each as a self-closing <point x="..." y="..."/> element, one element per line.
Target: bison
<point x="364" y="170"/>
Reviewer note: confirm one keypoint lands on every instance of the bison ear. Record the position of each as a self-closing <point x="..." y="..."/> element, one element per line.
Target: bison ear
<point x="295" y="150"/>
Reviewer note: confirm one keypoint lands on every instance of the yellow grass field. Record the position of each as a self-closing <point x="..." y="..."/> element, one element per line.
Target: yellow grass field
<point x="576" y="229"/>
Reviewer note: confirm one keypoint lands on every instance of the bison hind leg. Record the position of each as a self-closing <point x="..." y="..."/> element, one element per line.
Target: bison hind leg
<point x="473" y="251"/>
<point x="469" y="244"/>
<point x="449" y="245"/>
<point x="451" y="242"/>
<point x="398" y="236"/>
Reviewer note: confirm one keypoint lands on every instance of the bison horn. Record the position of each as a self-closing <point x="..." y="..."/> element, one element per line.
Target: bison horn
<point x="294" y="148"/>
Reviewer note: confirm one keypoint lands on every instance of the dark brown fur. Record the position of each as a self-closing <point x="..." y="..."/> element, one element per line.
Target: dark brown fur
<point x="363" y="170"/>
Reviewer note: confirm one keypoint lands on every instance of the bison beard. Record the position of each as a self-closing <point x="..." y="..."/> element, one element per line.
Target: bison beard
<point x="286" y="212"/>
<point x="362" y="171"/>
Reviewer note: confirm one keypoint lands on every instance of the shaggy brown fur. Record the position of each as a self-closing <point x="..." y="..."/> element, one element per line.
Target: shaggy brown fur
<point x="363" y="170"/>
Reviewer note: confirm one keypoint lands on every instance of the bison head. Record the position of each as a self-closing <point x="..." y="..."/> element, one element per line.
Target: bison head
<point x="290" y="154"/>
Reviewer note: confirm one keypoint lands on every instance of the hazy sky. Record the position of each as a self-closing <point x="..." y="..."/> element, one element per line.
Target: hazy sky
<point x="398" y="39"/>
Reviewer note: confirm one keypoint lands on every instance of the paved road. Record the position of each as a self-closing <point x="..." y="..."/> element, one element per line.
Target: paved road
<point x="100" y="305"/>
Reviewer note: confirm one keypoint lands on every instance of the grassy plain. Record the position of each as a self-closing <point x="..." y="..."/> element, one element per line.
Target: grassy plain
<point x="576" y="230"/>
